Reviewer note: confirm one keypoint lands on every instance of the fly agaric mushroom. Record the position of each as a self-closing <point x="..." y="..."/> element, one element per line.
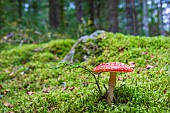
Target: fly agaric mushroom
<point x="113" y="68"/>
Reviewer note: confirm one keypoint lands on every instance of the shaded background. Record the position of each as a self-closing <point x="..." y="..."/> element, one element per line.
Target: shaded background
<point x="43" y="20"/>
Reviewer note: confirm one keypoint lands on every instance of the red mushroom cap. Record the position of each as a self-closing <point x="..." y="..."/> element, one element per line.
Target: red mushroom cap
<point x="113" y="67"/>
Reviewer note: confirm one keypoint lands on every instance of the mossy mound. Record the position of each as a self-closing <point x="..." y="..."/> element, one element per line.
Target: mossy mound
<point x="141" y="50"/>
<point x="31" y="52"/>
<point x="32" y="76"/>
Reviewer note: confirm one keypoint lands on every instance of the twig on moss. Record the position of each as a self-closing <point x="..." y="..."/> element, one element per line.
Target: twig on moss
<point x="87" y="70"/>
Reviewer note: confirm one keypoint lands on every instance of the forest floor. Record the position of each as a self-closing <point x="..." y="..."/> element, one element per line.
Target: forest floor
<point x="33" y="79"/>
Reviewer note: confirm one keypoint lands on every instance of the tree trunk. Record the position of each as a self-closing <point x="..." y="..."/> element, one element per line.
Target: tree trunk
<point x="62" y="16"/>
<point x="135" y="20"/>
<point x="98" y="14"/>
<point x="1" y="13"/>
<point x="79" y="12"/>
<point x="20" y="8"/>
<point x="169" y="21"/>
<point x="131" y="16"/>
<point x="113" y="15"/>
<point x="145" y="18"/>
<point x="91" y="11"/>
<point x="162" y="31"/>
<point x="35" y="6"/>
<point x="53" y="13"/>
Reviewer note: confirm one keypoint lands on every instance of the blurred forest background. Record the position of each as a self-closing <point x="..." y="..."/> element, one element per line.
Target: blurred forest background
<point x="43" y="20"/>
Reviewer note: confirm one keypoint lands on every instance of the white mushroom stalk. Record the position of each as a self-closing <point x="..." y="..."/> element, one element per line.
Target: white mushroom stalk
<point x="112" y="83"/>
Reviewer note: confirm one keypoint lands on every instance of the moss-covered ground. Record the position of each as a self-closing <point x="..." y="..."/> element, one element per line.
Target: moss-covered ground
<point x="32" y="77"/>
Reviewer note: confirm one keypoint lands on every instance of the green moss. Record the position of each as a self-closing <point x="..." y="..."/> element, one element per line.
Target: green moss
<point x="43" y="57"/>
<point x="34" y="68"/>
<point x="117" y="47"/>
<point x="59" y="47"/>
<point x="38" y="52"/>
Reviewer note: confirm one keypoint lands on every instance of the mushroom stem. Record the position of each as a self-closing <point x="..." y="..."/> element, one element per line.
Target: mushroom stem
<point x="112" y="83"/>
